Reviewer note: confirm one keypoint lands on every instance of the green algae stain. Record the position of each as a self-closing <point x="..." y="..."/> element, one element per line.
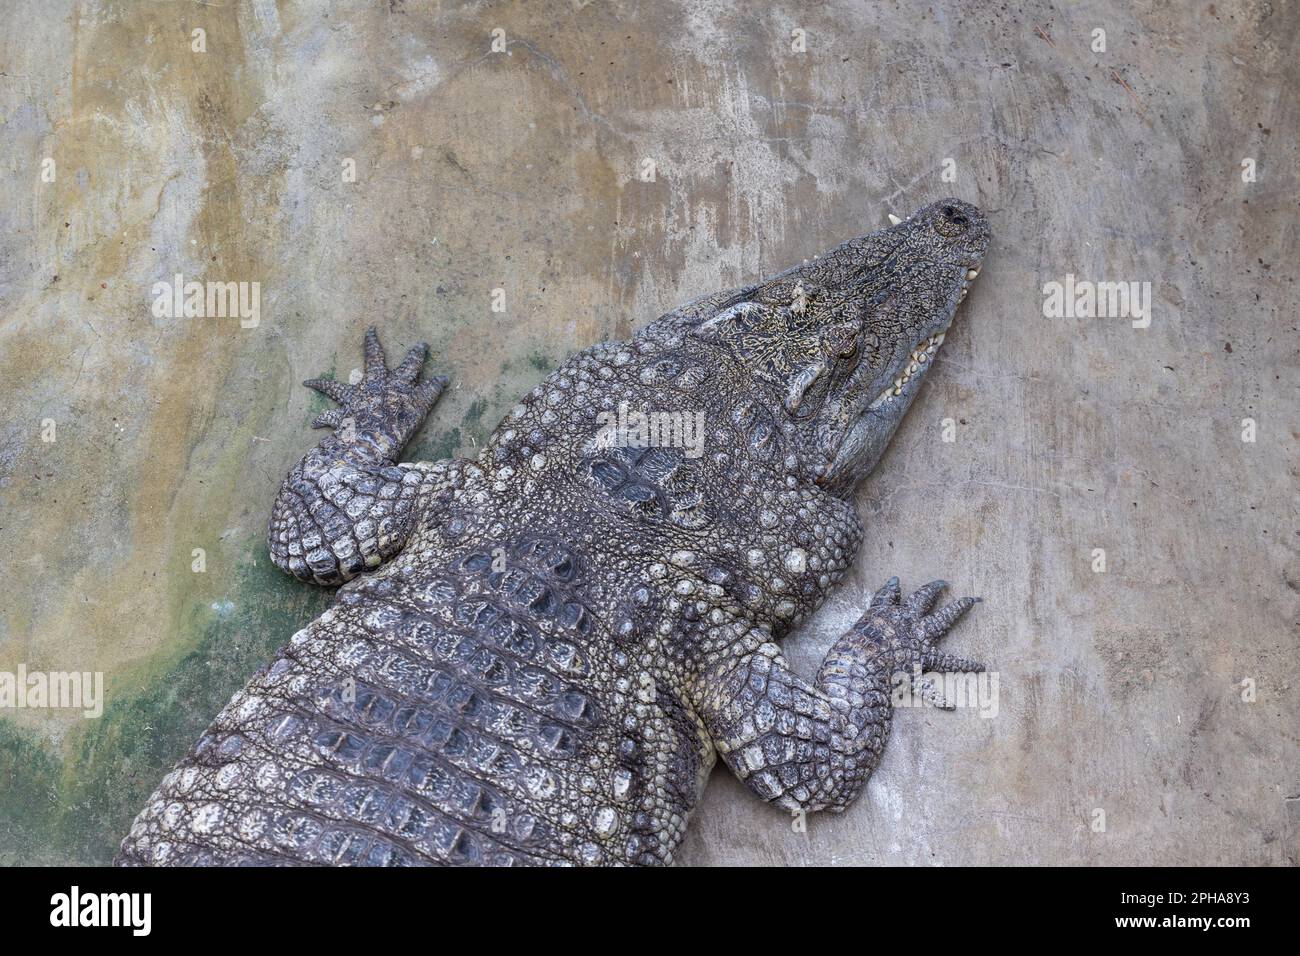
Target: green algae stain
<point x="476" y="428"/>
<point x="445" y="445"/>
<point x="318" y="402"/>
<point x="474" y="414"/>
<point x="74" y="803"/>
<point x="29" y="805"/>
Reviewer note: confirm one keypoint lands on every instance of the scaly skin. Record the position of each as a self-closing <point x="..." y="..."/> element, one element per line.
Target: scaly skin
<point x="536" y="657"/>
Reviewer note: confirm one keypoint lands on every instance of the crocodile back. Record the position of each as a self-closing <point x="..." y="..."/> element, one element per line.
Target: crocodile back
<point x="476" y="712"/>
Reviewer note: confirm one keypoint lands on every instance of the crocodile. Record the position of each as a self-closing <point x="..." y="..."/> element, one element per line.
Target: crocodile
<point x="537" y="656"/>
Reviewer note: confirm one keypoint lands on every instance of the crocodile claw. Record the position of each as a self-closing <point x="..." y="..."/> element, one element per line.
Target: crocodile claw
<point x="391" y="401"/>
<point x="908" y="632"/>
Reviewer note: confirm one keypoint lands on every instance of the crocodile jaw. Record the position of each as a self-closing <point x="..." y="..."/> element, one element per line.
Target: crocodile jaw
<point x="865" y="441"/>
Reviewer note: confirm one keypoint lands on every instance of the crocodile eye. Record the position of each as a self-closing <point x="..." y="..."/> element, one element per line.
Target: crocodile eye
<point x="842" y="343"/>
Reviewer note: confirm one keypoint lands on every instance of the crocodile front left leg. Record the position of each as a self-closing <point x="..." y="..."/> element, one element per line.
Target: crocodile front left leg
<point x="347" y="506"/>
<point x="812" y="745"/>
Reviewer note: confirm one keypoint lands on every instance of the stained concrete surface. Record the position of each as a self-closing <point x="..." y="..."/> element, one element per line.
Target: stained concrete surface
<point x="1125" y="692"/>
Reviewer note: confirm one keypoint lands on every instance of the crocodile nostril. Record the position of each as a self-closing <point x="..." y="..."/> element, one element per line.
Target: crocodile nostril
<point x="955" y="216"/>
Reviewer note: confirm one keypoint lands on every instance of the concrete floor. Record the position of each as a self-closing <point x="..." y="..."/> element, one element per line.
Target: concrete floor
<point x="1119" y="691"/>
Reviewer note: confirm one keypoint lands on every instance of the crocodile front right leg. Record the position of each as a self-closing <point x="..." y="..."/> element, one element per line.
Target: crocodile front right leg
<point x="812" y="745"/>
<point x="347" y="506"/>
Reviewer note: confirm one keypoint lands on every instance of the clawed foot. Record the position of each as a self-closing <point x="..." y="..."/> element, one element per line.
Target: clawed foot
<point x="390" y="402"/>
<point x="908" y="634"/>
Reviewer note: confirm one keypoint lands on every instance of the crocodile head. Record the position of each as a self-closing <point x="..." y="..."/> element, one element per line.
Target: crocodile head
<point x="842" y="344"/>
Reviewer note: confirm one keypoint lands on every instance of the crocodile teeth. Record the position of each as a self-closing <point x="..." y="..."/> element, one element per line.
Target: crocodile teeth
<point x="920" y="355"/>
<point x="973" y="273"/>
<point x="894" y="220"/>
